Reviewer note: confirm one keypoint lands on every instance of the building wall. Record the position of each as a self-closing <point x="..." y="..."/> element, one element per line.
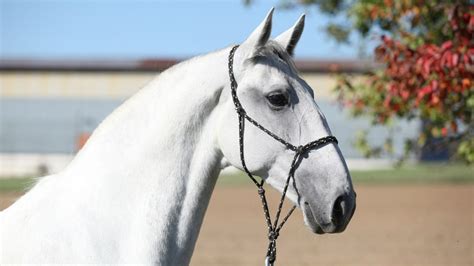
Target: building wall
<point x="46" y="112"/>
<point x="105" y="85"/>
<point x="66" y="84"/>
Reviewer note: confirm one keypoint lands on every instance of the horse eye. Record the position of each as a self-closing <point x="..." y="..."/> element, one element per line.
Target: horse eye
<point x="278" y="99"/>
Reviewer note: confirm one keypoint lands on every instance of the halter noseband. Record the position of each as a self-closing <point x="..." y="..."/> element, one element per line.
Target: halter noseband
<point x="273" y="228"/>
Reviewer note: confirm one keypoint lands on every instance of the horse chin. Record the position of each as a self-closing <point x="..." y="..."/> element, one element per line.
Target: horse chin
<point x="310" y="220"/>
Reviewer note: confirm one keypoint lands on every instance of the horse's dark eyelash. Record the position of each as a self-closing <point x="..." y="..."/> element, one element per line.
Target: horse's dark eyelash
<point x="278" y="93"/>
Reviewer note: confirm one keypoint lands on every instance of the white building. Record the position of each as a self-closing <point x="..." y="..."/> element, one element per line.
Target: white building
<point x="47" y="105"/>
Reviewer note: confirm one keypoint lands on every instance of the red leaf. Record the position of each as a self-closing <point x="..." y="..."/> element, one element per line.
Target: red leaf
<point x="471" y="23"/>
<point x="466" y="83"/>
<point x="446" y="59"/>
<point x="386" y="102"/>
<point x="426" y="68"/>
<point x="465" y="59"/>
<point x="435" y="100"/>
<point x="424" y="91"/>
<point x="444" y="131"/>
<point x="447" y="45"/>
<point x="405" y="94"/>
<point x="431" y="49"/>
<point x="454" y="60"/>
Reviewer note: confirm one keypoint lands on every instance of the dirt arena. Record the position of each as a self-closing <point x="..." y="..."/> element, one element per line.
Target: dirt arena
<point x="393" y="225"/>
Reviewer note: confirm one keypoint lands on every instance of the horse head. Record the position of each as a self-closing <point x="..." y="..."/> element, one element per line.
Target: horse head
<point x="271" y="91"/>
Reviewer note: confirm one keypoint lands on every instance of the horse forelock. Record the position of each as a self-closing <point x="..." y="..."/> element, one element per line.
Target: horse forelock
<point x="272" y="51"/>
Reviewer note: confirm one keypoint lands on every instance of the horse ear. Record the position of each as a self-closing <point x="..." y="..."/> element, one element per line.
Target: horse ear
<point x="290" y="38"/>
<point x="261" y="34"/>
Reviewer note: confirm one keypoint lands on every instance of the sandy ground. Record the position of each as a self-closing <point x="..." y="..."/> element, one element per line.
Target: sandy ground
<point x="393" y="225"/>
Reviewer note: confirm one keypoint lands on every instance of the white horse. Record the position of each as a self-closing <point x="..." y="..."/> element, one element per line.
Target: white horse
<point x="137" y="192"/>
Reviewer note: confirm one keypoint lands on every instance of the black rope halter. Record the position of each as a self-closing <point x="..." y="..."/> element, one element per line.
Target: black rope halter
<point x="275" y="227"/>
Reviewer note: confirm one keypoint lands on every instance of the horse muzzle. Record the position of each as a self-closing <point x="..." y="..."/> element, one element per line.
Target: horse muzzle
<point x="341" y="212"/>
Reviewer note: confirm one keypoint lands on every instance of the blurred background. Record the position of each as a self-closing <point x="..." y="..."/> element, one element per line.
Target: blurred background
<point x="393" y="78"/>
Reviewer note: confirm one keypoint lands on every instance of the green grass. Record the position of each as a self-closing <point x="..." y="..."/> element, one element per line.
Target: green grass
<point x="419" y="173"/>
<point x="15" y="184"/>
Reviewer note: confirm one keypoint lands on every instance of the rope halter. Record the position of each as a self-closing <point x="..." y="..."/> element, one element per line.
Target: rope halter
<point x="275" y="227"/>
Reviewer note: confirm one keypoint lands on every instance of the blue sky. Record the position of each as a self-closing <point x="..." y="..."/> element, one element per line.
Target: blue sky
<point x="124" y="29"/>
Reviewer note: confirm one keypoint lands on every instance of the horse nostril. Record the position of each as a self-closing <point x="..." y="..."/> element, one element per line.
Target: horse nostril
<point x="338" y="212"/>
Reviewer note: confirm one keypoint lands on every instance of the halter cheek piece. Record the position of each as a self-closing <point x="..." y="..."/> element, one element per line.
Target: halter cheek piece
<point x="273" y="229"/>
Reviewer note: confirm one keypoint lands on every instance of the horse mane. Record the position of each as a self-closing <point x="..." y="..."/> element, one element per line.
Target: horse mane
<point x="273" y="51"/>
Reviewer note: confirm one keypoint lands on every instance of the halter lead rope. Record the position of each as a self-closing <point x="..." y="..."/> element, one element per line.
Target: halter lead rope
<point x="273" y="228"/>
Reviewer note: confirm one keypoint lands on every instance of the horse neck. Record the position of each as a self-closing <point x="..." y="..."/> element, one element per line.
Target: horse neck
<point x="156" y="156"/>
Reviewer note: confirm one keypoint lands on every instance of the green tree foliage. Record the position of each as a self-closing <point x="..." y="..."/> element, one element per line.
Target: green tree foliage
<point x="426" y="53"/>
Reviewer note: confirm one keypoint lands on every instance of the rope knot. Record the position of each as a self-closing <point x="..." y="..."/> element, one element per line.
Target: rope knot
<point x="300" y="149"/>
<point x="261" y="191"/>
<point x="240" y="110"/>
<point x="273" y="235"/>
